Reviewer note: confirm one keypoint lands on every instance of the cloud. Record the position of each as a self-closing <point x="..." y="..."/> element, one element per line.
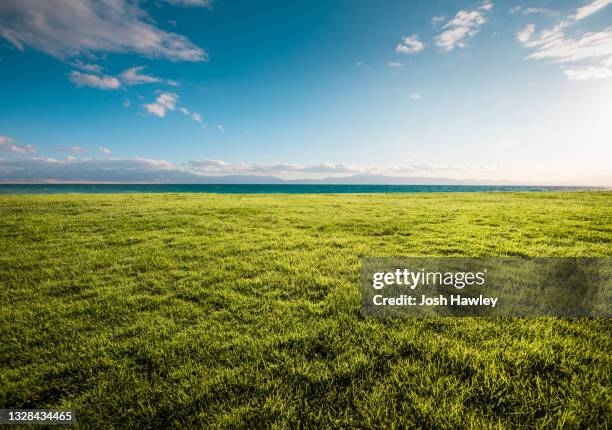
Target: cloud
<point x="395" y="64"/>
<point x="220" y="167"/>
<point x="126" y="103"/>
<point x="70" y="28"/>
<point x="220" y="128"/>
<point x="112" y="169"/>
<point x="90" y="169"/>
<point x="7" y="145"/>
<point x="223" y="167"/>
<point x="129" y="77"/>
<point x="197" y="118"/>
<point x="410" y="45"/>
<point x="214" y="166"/>
<point x="414" y="96"/>
<point x="191" y="3"/>
<point x="104" y="150"/>
<point x="553" y="45"/>
<point x="592" y="49"/>
<point x="71" y="149"/>
<point x="537" y="10"/>
<point x="591" y="8"/>
<point x="486" y="5"/>
<point x="93" y="68"/>
<point x="95" y="81"/>
<point x="132" y="76"/>
<point x="163" y="103"/>
<point x="525" y="33"/>
<point x="587" y="72"/>
<point x="437" y="20"/>
<point x="466" y="23"/>
<point x="193" y="115"/>
<point x="532" y="10"/>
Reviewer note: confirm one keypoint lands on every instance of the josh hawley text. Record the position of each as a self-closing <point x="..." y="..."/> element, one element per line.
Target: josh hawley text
<point x="453" y="300"/>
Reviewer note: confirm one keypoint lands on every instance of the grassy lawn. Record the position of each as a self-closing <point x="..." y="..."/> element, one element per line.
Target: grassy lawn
<point x="154" y="311"/>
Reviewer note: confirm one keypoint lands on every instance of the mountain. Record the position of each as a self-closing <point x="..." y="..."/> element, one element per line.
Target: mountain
<point x="398" y="180"/>
<point x="69" y="175"/>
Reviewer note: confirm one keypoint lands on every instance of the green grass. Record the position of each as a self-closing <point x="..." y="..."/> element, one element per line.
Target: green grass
<point x="152" y="311"/>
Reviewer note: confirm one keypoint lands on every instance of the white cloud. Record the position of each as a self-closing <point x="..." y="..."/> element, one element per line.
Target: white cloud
<point x="549" y="36"/>
<point x="223" y="167"/>
<point x="487" y="5"/>
<point x="395" y="64"/>
<point x="132" y="76"/>
<point x="537" y="10"/>
<point x="437" y="20"/>
<point x="414" y="96"/>
<point x="112" y="169"/>
<point x="7" y="145"/>
<point x="220" y="128"/>
<point x="102" y="162"/>
<point x="592" y="49"/>
<point x="410" y="45"/>
<point x="591" y="8"/>
<point x="163" y="103"/>
<point x="532" y="10"/>
<point x="95" y="81"/>
<point x="104" y="150"/>
<point x="91" y="169"/>
<point x="87" y="67"/>
<point x="553" y="45"/>
<point x="71" y="149"/>
<point x="197" y="118"/>
<point x="126" y="103"/>
<point x="155" y="109"/>
<point x="588" y="72"/>
<point x="191" y="3"/>
<point x="193" y="115"/>
<point x="220" y="167"/>
<point x="69" y="28"/>
<point x="466" y="23"/>
<point x="214" y="166"/>
<point x="524" y="34"/>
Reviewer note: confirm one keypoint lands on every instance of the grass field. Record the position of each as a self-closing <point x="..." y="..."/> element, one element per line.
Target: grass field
<point x="153" y="311"/>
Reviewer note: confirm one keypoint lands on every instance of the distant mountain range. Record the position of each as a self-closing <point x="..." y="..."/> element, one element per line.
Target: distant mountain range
<point x="74" y="174"/>
<point x="398" y="180"/>
<point x="181" y="177"/>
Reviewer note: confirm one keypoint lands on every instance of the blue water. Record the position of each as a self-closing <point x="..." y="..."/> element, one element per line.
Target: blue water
<point x="258" y="189"/>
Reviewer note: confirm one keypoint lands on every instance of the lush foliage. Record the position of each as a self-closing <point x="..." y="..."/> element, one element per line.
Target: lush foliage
<point x="243" y="311"/>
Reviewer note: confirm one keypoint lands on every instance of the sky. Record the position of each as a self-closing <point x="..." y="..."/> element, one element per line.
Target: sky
<point x="484" y="90"/>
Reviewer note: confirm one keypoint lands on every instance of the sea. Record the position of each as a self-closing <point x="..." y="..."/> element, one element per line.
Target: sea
<point x="265" y="188"/>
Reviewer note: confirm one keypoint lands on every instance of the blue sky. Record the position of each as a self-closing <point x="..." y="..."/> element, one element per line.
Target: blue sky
<point x="516" y="90"/>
